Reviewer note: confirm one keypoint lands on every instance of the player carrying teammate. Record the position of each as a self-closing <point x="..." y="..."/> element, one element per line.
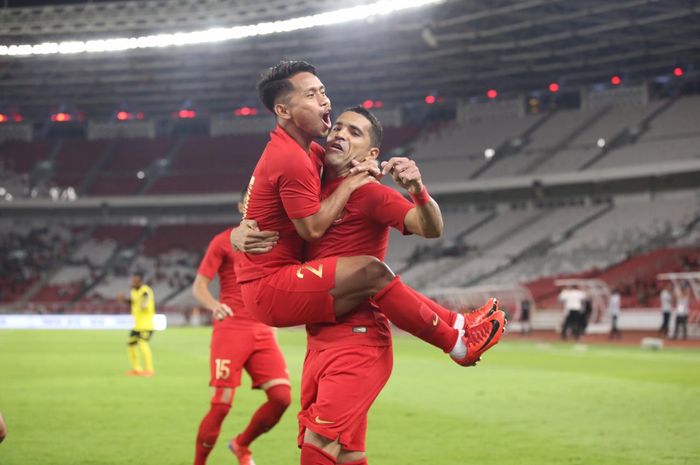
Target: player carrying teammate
<point x="238" y="342"/>
<point x="348" y="362"/>
<point x="284" y="196"/>
<point x="143" y="309"/>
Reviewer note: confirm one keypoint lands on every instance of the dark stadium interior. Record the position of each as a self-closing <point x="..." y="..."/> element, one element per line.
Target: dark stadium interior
<point x="560" y="138"/>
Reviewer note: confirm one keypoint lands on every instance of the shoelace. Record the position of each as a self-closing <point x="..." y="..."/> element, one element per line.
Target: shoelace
<point x="470" y="317"/>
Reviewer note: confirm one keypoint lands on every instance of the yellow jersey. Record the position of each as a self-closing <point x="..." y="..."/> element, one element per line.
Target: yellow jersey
<point x="143" y="308"/>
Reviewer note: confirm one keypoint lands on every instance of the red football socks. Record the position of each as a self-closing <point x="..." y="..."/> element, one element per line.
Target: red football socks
<point x="312" y="455"/>
<point x="278" y="399"/>
<point x="401" y="305"/>
<point x="208" y="432"/>
<point x="445" y="314"/>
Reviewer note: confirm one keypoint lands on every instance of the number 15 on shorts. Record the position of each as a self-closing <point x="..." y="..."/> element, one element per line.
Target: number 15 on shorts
<point x="222" y="368"/>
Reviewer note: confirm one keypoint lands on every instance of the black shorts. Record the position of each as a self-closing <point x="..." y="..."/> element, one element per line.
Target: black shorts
<point x="135" y="336"/>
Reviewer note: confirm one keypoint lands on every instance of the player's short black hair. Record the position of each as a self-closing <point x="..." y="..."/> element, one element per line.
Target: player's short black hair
<point x="275" y="81"/>
<point x="137" y="274"/>
<point x="377" y="130"/>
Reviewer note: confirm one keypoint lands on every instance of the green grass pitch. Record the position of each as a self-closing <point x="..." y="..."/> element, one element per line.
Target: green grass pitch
<point x="66" y="401"/>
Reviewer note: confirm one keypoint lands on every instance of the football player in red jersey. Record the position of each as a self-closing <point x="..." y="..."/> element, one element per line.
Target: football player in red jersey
<point x="284" y="196"/>
<point x="348" y="362"/>
<point x="238" y="342"/>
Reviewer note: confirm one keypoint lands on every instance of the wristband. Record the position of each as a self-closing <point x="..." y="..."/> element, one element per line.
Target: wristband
<point x="420" y="198"/>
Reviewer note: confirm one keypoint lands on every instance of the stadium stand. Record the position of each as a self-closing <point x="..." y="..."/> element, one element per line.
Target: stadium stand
<point x="118" y="175"/>
<point x="485" y="244"/>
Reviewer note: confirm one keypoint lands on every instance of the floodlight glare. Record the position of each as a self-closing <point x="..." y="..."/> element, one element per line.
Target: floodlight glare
<point x="381" y="8"/>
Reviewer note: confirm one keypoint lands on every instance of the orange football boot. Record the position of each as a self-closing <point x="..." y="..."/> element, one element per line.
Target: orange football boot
<point x="475" y="317"/>
<point x="482" y="337"/>
<point x="242" y="453"/>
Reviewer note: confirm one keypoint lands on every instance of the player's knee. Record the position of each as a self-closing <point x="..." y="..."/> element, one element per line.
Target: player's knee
<point x="222" y="396"/>
<point x="377" y="274"/>
<point x="280" y="396"/>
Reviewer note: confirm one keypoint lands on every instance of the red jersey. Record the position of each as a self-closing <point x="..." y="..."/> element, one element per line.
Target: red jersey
<point x="286" y="184"/>
<point x="362" y="229"/>
<point x="219" y="259"/>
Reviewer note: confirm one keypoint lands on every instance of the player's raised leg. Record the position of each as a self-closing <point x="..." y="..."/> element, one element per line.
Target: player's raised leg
<point x="359" y="278"/>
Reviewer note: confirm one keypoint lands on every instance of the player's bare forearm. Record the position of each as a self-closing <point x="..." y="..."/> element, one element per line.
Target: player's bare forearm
<point x="425" y="220"/>
<point x="200" y="291"/>
<point x="314" y="226"/>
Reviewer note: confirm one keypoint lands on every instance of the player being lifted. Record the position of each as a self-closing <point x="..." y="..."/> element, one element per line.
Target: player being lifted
<point x="284" y="196"/>
<point x="143" y="308"/>
<point x="348" y="362"/>
<point x="238" y="342"/>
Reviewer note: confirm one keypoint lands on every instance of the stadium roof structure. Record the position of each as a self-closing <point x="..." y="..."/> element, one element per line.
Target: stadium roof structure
<point x="453" y="48"/>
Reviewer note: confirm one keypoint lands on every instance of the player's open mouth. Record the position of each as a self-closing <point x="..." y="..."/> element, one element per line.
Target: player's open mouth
<point x="327" y="119"/>
<point x="336" y="146"/>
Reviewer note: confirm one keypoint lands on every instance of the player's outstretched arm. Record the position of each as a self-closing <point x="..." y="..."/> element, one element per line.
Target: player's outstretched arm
<point x="425" y="219"/>
<point x="200" y="291"/>
<point x="248" y="238"/>
<point x="314" y="226"/>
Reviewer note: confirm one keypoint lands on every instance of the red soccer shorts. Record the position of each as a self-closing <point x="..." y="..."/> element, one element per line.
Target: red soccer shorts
<point x="338" y="387"/>
<point x="294" y="295"/>
<point x="253" y="349"/>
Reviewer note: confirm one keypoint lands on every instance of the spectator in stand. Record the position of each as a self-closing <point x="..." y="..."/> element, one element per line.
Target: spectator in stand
<point x="573" y="300"/>
<point x="614" y="310"/>
<point x="585" y="315"/>
<point x="525" y="306"/>
<point x="682" y="308"/>
<point x="666" y="300"/>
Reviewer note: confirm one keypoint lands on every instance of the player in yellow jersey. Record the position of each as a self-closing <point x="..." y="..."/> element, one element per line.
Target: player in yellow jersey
<point x="143" y="308"/>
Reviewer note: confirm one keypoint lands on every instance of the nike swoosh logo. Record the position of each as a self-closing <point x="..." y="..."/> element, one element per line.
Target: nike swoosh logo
<point x="494" y="307"/>
<point x="436" y="320"/>
<point x="495" y="327"/>
<point x="322" y="422"/>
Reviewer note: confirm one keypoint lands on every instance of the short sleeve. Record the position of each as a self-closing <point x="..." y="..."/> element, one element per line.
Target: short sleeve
<point x="388" y="207"/>
<point x="300" y="189"/>
<point x="212" y="260"/>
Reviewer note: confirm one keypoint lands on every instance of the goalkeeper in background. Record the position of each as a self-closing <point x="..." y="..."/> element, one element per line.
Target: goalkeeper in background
<point x="143" y="308"/>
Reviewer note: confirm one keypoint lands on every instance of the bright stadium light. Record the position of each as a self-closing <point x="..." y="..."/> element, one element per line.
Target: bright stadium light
<point x="221" y="34"/>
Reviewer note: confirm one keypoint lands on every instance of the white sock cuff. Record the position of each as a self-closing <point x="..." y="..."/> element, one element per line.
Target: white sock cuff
<point x="460" y="349"/>
<point x="459" y="322"/>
